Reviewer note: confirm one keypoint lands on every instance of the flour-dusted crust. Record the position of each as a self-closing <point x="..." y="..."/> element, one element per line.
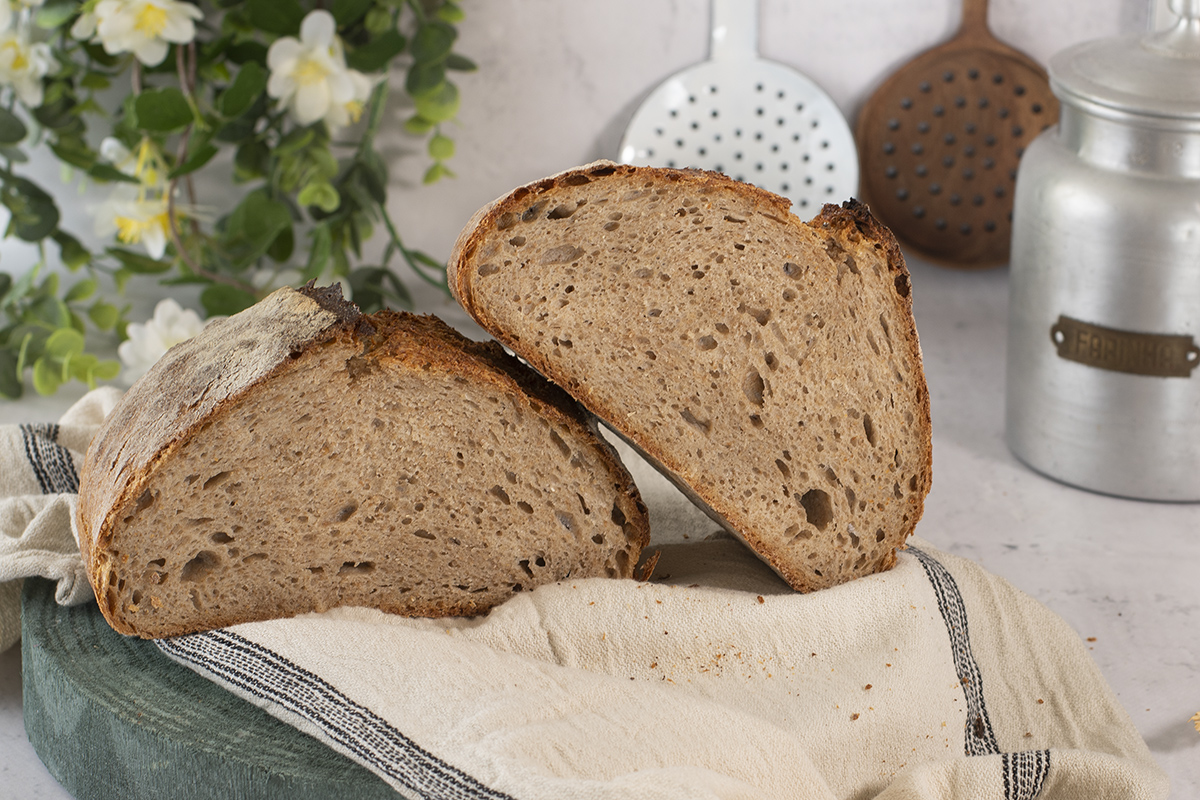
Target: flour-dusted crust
<point x="300" y="456"/>
<point x="769" y="367"/>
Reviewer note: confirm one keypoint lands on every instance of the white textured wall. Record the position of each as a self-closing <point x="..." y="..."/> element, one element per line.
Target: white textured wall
<point x="560" y="79"/>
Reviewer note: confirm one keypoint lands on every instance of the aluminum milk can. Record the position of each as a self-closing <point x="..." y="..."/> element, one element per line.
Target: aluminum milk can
<point x="1104" y="307"/>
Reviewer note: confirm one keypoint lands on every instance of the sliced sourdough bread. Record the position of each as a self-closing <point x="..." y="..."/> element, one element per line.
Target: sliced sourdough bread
<point x="769" y="367"/>
<point x="300" y="456"/>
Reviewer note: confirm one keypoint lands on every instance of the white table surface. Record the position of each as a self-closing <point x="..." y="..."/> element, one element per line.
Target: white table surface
<point x="1122" y="572"/>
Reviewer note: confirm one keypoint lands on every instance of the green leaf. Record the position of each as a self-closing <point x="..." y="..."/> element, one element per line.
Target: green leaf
<point x="320" y="244"/>
<point x="162" y="110"/>
<point x="34" y="214"/>
<point x="106" y="370"/>
<point x="108" y="173"/>
<point x="424" y="77"/>
<point x="12" y="130"/>
<point x="296" y="140"/>
<point x="435" y="173"/>
<point x="74" y="152"/>
<point x="375" y="55"/>
<point x="432" y="41"/>
<point x="373" y="287"/>
<point x="320" y="194"/>
<point x="80" y="291"/>
<point x="251" y="160"/>
<point x="11" y="386"/>
<point x="221" y="299"/>
<point x="64" y="343"/>
<point x="72" y="253"/>
<point x="441" y="147"/>
<point x="95" y="81"/>
<point x="137" y="263"/>
<point x="378" y="20"/>
<point x="55" y="13"/>
<point x="451" y="13"/>
<point x="46" y="378"/>
<point x="14" y="154"/>
<point x="245" y="52"/>
<point x="253" y="226"/>
<point x="195" y="160"/>
<point x="418" y="125"/>
<point x="347" y="12"/>
<point x="282" y="17"/>
<point x="6" y="283"/>
<point x="103" y="315"/>
<point x="460" y="63"/>
<point x="281" y="249"/>
<point x="439" y="105"/>
<point x="245" y="89"/>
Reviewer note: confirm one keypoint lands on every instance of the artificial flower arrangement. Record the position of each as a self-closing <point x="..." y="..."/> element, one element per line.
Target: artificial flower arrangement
<point x="295" y="90"/>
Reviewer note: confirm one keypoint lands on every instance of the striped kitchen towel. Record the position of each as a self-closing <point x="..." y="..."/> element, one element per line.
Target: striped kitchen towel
<point x="935" y="680"/>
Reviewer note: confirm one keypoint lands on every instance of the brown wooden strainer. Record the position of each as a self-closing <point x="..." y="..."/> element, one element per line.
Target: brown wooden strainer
<point x="940" y="140"/>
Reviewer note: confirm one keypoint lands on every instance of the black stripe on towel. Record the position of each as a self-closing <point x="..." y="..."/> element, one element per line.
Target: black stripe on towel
<point x="51" y="462"/>
<point x="1025" y="774"/>
<point x="980" y="738"/>
<point x="371" y="741"/>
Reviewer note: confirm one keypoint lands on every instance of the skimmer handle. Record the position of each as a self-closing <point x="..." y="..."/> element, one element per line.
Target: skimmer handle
<point x="734" y="29"/>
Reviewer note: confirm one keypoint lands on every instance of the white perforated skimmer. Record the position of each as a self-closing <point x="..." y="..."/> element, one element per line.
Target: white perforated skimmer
<point x="755" y="120"/>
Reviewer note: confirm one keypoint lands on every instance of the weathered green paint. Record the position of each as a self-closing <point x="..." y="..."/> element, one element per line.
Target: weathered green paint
<point x="112" y="717"/>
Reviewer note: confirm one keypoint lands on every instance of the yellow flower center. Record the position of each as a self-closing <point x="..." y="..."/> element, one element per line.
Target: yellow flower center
<point x="310" y="71"/>
<point x="151" y="20"/>
<point x="131" y="230"/>
<point x="354" y="108"/>
<point x="20" y="60"/>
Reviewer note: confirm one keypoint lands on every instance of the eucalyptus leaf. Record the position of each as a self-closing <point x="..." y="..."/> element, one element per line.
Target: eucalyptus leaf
<point x="14" y="154"/>
<point x="163" y="110"/>
<point x="106" y="370"/>
<point x="82" y="290"/>
<point x="222" y="299"/>
<point x="417" y="125"/>
<point x="70" y="251"/>
<point x="253" y="226"/>
<point x="439" y="105"/>
<point x="11" y="385"/>
<point x="378" y="20"/>
<point x="245" y="89"/>
<point x="34" y="214"/>
<point x="75" y="153"/>
<point x="432" y="41"/>
<point x="375" y="55"/>
<point x="281" y="17"/>
<point x="424" y="77"/>
<point x="96" y="81"/>
<point x="460" y="63"/>
<point x="6" y="283"/>
<point x="12" y="129"/>
<point x="55" y="13"/>
<point x="435" y="173"/>
<point x="64" y="343"/>
<point x="108" y="173"/>
<point x="137" y="263"/>
<point x="451" y="13"/>
<point x="103" y="315"/>
<point x="196" y="159"/>
<point x="441" y="147"/>
<point x="245" y="52"/>
<point x="320" y="244"/>
<point x="347" y="12"/>
<point x="296" y="139"/>
<point x="46" y="377"/>
<point x="281" y="249"/>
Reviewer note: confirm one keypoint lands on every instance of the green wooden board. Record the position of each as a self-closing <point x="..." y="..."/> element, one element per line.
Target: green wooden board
<point x="111" y="716"/>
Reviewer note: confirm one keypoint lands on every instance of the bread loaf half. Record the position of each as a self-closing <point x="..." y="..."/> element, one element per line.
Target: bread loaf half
<point x="300" y="456"/>
<point x="770" y="367"/>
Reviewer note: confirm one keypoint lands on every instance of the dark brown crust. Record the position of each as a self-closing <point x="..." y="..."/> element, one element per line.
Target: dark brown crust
<point x="190" y="387"/>
<point x="851" y="220"/>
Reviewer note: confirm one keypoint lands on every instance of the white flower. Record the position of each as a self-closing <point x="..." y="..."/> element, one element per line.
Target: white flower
<point x="23" y="65"/>
<point x="148" y="341"/>
<point x="10" y="8"/>
<point x="145" y="28"/>
<point x="146" y="164"/>
<point x="136" y="218"/>
<point x="309" y="75"/>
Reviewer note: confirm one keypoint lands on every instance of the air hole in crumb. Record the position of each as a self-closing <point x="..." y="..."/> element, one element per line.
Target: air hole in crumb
<point x="215" y="480"/>
<point x="499" y="494"/>
<point x="754" y="387"/>
<point x="345" y="512"/>
<point x="772" y="361"/>
<point x="136" y="597"/>
<point x="706" y="343"/>
<point x="566" y="519"/>
<point x="583" y="504"/>
<point x="561" y="212"/>
<point x="357" y="568"/>
<point x="618" y="516"/>
<point x="598" y="538"/>
<point x="756" y="420"/>
<point x="704" y="426"/>
<point x="784" y="469"/>
<point x="818" y="507"/>
<point x="880" y="535"/>
<point x="562" y="446"/>
<point x="487" y="269"/>
<point x="850" y="498"/>
<point x="200" y="567"/>
<point x="721" y="327"/>
<point x="517" y="241"/>
<point x="539" y="561"/>
<point x="869" y="429"/>
<point x="524" y="565"/>
<point x="528" y="509"/>
<point x="221" y="537"/>
<point x="421" y="533"/>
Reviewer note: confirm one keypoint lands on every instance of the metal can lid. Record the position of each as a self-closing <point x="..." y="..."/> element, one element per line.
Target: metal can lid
<point x="1153" y="75"/>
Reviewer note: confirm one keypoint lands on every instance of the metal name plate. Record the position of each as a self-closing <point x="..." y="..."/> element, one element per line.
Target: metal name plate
<point x="1156" y="354"/>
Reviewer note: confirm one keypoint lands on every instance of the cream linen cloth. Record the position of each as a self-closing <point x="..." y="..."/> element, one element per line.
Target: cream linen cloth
<point x="712" y="680"/>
